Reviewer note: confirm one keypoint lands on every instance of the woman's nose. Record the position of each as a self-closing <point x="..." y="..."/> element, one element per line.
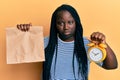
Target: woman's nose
<point x="66" y="26"/>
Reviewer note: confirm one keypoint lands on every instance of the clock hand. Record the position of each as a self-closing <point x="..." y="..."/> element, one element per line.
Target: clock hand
<point x="96" y="54"/>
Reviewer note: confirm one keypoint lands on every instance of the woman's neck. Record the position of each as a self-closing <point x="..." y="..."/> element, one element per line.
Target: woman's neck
<point x="67" y="38"/>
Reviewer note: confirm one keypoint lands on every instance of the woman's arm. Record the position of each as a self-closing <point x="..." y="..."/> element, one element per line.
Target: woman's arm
<point x="110" y="61"/>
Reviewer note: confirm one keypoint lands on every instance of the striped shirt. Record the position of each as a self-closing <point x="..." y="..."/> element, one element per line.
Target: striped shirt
<point x="64" y="68"/>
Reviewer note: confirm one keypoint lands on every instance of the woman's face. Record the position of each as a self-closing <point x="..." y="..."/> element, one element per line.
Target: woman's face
<point x="65" y="24"/>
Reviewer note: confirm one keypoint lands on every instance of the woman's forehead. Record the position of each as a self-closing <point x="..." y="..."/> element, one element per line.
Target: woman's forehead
<point x="62" y="13"/>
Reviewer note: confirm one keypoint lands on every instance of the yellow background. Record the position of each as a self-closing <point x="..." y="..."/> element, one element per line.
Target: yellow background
<point x="96" y="15"/>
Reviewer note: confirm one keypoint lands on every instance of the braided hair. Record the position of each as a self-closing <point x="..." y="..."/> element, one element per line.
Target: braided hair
<point x="79" y="49"/>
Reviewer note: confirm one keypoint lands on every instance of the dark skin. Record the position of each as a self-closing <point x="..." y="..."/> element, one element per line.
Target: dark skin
<point x="65" y="25"/>
<point x="110" y="61"/>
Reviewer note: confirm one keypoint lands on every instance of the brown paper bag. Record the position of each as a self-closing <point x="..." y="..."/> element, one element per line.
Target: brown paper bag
<point x="24" y="47"/>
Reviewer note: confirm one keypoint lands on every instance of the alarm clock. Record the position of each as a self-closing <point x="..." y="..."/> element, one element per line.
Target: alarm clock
<point x="96" y="53"/>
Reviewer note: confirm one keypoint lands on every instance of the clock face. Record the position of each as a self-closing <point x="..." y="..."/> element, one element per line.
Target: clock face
<point x="95" y="54"/>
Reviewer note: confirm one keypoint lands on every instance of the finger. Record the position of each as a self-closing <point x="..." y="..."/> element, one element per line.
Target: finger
<point x="18" y="26"/>
<point x="94" y="36"/>
<point x="22" y="27"/>
<point x="98" y="37"/>
<point x="101" y="37"/>
<point x="28" y="26"/>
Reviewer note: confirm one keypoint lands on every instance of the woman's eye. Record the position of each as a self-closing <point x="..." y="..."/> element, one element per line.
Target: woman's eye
<point x="70" y="22"/>
<point x="60" y="23"/>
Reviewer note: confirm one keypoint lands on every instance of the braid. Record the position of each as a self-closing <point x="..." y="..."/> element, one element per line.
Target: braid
<point x="79" y="49"/>
<point x="81" y="53"/>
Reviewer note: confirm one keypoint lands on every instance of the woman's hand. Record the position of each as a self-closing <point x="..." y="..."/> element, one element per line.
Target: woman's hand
<point x="24" y="27"/>
<point x="110" y="61"/>
<point x="97" y="38"/>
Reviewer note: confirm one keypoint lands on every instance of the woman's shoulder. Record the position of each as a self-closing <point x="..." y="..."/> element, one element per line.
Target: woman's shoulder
<point x="85" y="39"/>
